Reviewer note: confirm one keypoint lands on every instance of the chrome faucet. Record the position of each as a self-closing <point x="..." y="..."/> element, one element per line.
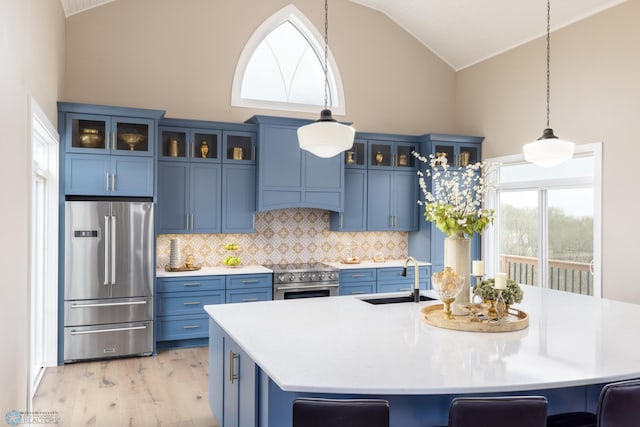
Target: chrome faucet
<point x="416" y="285"/>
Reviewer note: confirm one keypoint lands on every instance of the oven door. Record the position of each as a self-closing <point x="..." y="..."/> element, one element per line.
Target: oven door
<point x="308" y="290"/>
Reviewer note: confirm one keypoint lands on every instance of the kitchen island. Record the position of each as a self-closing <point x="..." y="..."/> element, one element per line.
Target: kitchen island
<point x="263" y="355"/>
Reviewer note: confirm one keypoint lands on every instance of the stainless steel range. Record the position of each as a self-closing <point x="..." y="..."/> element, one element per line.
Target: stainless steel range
<point x="304" y="280"/>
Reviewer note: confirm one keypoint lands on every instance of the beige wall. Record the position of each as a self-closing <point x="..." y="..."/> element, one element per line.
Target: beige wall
<point x="595" y="96"/>
<point x="180" y="57"/>
<point x="31" y="60"/>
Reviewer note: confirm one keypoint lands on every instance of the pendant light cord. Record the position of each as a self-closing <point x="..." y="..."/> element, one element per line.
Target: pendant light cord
<point x="326" y="52"/>
<point x="548" y="58"/>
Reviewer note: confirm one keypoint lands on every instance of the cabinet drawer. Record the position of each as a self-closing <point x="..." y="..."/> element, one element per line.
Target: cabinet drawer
<point x="358" y="275"/>
<point x="358" y="289"/>
<point x="244" y="281"/>
<point x="190" y="284"/>
<point x="187" y="302"/>
<point x="396" y="287"/>
<point x="249" y="295"/>
<point x="393" y="274"/>
<point x="182" y="327"/>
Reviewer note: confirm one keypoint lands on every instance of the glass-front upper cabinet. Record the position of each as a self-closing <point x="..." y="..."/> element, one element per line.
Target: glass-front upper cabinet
<point x="456" y="154"/>
<point x="239" y="147"/>
<point x="356" y="156"/>
<point x="109" y="135"/>
<point x="392" y="154"/>
<point x="188" y="144"/>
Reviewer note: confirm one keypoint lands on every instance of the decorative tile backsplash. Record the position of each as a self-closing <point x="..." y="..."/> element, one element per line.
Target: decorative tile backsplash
<point x="285" y="236"/>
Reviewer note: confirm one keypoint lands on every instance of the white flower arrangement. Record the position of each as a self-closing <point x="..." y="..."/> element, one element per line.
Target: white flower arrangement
<point x="454" y="204"/>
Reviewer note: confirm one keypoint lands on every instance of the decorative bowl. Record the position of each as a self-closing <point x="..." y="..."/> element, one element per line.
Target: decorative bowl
<point x="132" y="139"/>
<point x="447" y="283"/>
<point x="90" y="138"/>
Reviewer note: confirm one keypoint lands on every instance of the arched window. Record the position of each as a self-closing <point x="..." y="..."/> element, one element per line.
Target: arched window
<point x="281" y="67"/>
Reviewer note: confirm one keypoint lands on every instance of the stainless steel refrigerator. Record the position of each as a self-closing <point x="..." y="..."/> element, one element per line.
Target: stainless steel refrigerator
<point x="108" y="279"/>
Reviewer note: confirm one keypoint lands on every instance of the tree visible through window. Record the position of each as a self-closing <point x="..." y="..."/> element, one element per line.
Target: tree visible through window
<point x="282" y="67"/>
<point x="548" y="224"/>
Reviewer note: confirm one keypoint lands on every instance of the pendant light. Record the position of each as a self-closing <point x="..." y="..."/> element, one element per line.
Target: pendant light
<point x="548" y="151"/>
<point x="326" y="137"/>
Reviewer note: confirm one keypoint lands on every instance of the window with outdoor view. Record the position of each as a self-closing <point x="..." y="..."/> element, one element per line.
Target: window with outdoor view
<point x="547" y="228"/>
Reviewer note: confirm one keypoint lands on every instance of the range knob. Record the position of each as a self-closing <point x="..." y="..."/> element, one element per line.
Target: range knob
<point x="291" y="277"/>
<point x="332" y="276"/>
<point x="321" y="276"/>
<point x="312" y="277"/>
<point x="281" y="278"/>
<point x="302" y="277"/>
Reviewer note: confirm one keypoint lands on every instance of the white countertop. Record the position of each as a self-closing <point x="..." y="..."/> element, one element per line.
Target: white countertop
<point x="345" y="345"/>
<point x="215" y="271"/>
<point x="371" y="264"/>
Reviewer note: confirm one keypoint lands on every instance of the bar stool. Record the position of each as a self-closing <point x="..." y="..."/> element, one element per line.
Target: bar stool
<point x="618" y="406"/>
<point x="314" y="412"/>
<point x="507" y="411"/>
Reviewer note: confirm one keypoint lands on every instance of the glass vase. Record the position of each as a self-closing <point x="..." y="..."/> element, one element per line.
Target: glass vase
<point x="457" y="255"/>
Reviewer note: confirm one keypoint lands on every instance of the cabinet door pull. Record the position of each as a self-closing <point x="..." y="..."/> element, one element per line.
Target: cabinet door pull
<point x="249" y="299"/>
<point x="249" y="281"/>
<point x="232" y="366"/>
<point x="357" y="276"/>
<point x="357" y="292"/>
<point x="404" y="289"/>
<point x="113" y="182"/>
<point x="192" y="303"/>
<point x="191" y="284"/>
<point x="191" y="327"/>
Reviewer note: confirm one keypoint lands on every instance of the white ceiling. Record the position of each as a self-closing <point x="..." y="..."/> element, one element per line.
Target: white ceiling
<point x="462" y="32"/>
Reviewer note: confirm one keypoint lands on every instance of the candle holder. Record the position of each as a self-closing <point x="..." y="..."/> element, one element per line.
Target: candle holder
<point x="477" y="300"/>
<point x="501" y="306"/>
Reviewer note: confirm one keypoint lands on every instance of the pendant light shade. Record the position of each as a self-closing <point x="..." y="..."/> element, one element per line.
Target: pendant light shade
<point x="548" y="151"/>
<point x="326" y="137"/>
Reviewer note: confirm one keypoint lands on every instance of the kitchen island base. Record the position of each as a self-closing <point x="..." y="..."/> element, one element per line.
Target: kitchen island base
<point x="241" y="394"/>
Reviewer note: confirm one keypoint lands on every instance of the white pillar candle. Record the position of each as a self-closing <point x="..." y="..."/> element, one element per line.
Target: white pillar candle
<point x="500" y="281"/>
<point x="477" y="268"/>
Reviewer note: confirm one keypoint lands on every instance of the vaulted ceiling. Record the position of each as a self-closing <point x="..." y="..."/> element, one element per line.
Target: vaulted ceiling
<point x="461" y="32"/>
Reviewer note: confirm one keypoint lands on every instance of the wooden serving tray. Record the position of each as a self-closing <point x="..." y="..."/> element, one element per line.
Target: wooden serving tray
<point x="183" y="268"/>
<point x="514" y="321"/>
<point x="350" y="261"/>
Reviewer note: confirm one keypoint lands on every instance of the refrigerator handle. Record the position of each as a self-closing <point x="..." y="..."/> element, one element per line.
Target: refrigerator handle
<point x="113" y="250"/>
<point x="107" y="250"/>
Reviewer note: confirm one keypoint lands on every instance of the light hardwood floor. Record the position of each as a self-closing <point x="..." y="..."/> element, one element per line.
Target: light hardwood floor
<point x="170" y="389"/>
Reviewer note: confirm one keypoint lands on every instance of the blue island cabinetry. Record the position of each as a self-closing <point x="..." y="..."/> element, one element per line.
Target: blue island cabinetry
<point x="107" y="151"/>
<point x="359" y="281"/>
<point x="206" y="177"/>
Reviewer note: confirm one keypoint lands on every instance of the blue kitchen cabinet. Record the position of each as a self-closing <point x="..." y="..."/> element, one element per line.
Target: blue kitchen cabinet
<point x="238" y="198"/>
<point x="249" y="287"/>
<point x="239" y="147"/>
<point x="393" y="152"/>
<point x="189" y="197"/>
<point x="107" y="151"/>
<point x="189" y="144"/>
<point x="354" y="217"/>
<point x="357" y="281"/>
<point x="392" y="200"/>
<point x="356" y="157"/>
<point x="390" y="279"/>
<point x="289" y="177"/>
<point x="180" y="317"/>
<point x="214" y="190"/>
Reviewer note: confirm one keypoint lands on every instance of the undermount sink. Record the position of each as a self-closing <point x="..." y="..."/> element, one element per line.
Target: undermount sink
<point x="395" y="300"/>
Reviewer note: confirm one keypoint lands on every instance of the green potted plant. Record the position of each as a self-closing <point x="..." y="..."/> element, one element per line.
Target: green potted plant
<point x="512" y="295"/>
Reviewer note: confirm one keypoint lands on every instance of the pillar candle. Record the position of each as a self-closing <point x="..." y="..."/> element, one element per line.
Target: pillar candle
<point x="500" y="281"/>
<point x="477" y="268"/>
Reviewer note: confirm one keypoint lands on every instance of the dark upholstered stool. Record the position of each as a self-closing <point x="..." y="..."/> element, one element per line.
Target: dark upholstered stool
<point x="618" y="406"/>
<point x="309" y="412"/>
<point x="508" y="411"/>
